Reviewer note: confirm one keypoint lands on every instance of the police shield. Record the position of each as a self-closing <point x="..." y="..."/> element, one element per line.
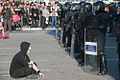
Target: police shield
<point x="90" y="56"/>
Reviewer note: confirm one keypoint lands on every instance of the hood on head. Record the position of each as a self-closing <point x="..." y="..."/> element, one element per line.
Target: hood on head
<point x="24" y="47"/>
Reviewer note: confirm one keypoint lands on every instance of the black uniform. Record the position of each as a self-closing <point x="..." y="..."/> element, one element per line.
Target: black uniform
<point x="19" y="66"/>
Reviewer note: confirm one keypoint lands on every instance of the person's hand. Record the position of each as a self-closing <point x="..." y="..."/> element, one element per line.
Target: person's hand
<point x="35" y="14"/>
<point x="31" y="62"/>
<point x="41" y="75"/>
<point x="30" y="65"/>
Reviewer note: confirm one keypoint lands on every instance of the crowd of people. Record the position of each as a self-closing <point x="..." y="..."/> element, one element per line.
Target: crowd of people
<point x="38" y="14"/>
<point x="32" y="14"/>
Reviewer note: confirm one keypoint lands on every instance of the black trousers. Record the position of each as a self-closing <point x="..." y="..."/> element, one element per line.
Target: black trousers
<point x="22" y="72"/>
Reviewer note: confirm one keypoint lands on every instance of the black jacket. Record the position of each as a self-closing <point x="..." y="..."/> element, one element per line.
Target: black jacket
<point x="21" y="59"/>
<point x="7" y="14"/>
<point x="34" y="11"/>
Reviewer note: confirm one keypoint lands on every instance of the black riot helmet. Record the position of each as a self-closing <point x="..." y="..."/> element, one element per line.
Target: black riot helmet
<point x="118" y="5"/>
<point x="118" y="2"/>
<point x="82" y="3"/>
<point x="88" y="7"/>
<point x="81" y="6"/>
<point x="99" y="6"/>
<point x="67" y="5"/>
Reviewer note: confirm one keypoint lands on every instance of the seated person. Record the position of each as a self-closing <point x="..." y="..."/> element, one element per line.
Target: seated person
<point x="2" y="34"/>
<point x="22" y="66"/>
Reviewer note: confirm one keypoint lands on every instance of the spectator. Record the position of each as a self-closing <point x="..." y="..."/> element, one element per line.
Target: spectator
<point x="13" y="7"/>
<point x="1" y="7"/>
<point x="17" y="3"/>
<point x="7" y="2"/>
<point x="36" y="3"/>
<point x="54" y="7"/>
<point x="21" y="6"/>
<point x="57" y="6"/>
<point x="22" y="2"/>
<point x="27" y="2"/>
<point x="45" y="16"/>
<point x="28" y="9"/>
<point x="11" y="1"/>
<point x="49" y="8"/>
<point x="7" y="16"/>
<point x="34" y="16"/>
<point x="2" y="34"/>
<point x="1" y="29"/>
<point x="54" y="15"/>
<point x="40" y="8"/>
<point x="30" y="12"/>
<point x="25" y="15"/>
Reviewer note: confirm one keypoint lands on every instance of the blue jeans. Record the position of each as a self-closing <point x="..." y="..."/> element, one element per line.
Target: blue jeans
<point x="43" y="21"/>
<point x="54" y="21"/>
<point x="21" y="21"/>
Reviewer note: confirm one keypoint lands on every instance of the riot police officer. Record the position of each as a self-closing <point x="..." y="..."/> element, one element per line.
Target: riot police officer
<point x="102" y="23"/>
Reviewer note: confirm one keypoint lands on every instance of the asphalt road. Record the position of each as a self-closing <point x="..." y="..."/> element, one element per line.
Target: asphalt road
<point x="52" y="60"/>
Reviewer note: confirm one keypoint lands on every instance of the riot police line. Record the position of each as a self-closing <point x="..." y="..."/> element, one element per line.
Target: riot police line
<point x="88" y="23"/>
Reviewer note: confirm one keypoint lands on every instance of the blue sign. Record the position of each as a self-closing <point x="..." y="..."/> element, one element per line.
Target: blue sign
<point x="91" y="48"/>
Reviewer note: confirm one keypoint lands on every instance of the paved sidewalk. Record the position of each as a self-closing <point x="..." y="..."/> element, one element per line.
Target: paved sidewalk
<point x="53" y="61"/>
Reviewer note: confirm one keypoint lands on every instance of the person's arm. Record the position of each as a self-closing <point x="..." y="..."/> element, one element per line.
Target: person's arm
<point x="48" y="13"/>
<point x="27" y="58"/>
<point x="32" y="65"/>
<point x="12" y="10"/>
<point x="3" y="11"/>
